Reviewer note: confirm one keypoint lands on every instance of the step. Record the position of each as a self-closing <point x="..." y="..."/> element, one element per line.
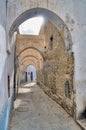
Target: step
<point x="82" y="123"/>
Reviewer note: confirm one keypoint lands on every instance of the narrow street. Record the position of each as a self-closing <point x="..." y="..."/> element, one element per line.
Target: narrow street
<point x="34" y="110"/>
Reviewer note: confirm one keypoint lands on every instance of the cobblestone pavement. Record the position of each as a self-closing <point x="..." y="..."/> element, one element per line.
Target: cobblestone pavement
<point x="34" y="110"/>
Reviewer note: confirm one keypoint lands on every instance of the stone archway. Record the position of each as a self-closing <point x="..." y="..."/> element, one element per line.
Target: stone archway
<point x="54" y="18"/>
<point x="62" y="51"/>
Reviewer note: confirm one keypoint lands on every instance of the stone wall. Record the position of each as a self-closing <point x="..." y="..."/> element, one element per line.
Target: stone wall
<point x="56" y="78"/>
<point x="29" y="41"/>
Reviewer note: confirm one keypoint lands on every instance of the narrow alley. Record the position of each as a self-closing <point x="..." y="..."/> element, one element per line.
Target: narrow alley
<point x="34" y="110"/>
<point x="42" y="64"/>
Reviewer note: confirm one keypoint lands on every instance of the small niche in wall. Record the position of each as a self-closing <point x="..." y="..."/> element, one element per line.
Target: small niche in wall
<point x="8" y="86"/>
<point x="67" y="89"/>
<point x="83" y="114"/>
<point x="26" y="76"/>
<point x="51" y="42"/>
<point x="44" y="47"/>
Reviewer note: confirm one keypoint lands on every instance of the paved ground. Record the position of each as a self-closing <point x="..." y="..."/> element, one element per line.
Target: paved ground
<point x="34" y="110"/>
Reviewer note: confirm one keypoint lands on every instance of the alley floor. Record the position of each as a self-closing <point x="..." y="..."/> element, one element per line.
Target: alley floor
<point x="34" y="110"/>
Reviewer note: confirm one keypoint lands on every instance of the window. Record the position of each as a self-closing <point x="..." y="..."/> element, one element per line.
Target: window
<point x="8" y="86"/>
<point x="51" y="42"/>
<point x="67" y="89"/>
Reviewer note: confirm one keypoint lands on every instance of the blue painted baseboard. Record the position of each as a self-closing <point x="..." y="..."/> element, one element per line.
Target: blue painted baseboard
<point x="6" y="114"/>
<point x="3" y="117"/>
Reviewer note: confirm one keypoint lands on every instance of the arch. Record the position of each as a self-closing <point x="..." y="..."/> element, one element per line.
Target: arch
<point x="29" y="56"/>
<point x="24" y="68"/>
<point x="30" y="48"/>
<point x="28" y="42"/>
<point x="29" y="65"/>
<point x="54" y="18"/>
<point x="30" y="51"/>
<point x="26" y="62"/>
<point x="29" y="59"/>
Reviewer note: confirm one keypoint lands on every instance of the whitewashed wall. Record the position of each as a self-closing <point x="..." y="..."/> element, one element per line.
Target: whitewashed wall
<point x="3" y="55"/>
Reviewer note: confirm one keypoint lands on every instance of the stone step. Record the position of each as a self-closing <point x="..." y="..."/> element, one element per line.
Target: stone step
<point x="82" y="123"/>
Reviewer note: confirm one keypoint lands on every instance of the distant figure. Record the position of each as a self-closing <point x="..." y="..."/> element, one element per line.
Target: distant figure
<point x="31" y="76"/>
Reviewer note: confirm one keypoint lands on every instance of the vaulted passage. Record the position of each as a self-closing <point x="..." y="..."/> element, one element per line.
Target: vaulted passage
<point x="53" y="59"/>
<point x="48" y="57"/>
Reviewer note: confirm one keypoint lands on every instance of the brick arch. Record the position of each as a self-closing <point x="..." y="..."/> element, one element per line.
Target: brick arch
<point x="32" y="49"/>
<point x="32" y="59"/>
<point x="32" y="52"/>
<point x="29" y="56"/>
<point x="49" y="14"/>
<point x="27" y="64"/>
